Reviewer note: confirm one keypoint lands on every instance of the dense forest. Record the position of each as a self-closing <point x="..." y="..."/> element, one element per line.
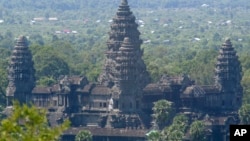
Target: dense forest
<point x="68" y="37"/>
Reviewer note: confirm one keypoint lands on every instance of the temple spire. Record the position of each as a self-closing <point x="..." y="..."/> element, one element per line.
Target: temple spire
<point x="21" y="73"/>
<point x="123" y="25"/>
<point x="228" y="68"/>
<point x="124" y="70"/>
<point x="124" y="2"/>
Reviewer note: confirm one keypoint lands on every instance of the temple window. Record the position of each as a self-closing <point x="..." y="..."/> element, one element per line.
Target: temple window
<point x="223" y="103"/>
<point x="238" y="99"/>
<point x="55" y="103"/>
<point x="116" y="104"/>
<point x="137" y="104"/>
<point x="60" y="101"/>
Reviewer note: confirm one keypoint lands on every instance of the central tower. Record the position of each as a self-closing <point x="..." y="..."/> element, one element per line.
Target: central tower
<point x="124" y="70"/>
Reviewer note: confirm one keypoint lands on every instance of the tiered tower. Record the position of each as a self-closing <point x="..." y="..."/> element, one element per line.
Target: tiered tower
<point x="228" y="74"/>
<point x="124" y="70"/>
<point x="129" y="78"/>
<point x="21" y="73"/>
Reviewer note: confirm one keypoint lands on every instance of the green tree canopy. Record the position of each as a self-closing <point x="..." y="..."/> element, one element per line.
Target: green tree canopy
<point x="83" y="135"/>
<point x="29" y="123"/>
<point x="154" y="135"/>
<point x="177" y="130"/>
<point x="172" y="133"/>
<point x="48" y="63"/>
<point x="3" y="85"/>
<point x="163" y="112"/>
<point x="197" y="131"/>
<point x="244" y="114"/>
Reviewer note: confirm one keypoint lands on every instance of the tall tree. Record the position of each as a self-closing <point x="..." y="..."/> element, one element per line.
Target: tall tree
<point x="197" y="131"/>
<point x="3" y="85"/>
<point x="163" y="112"/>
<point x="177" y="130"/>
<point x="49" y="63"/>
<point x="84" y="135"/>
<point x="244" y="114"/>
<point x="28" y="123"/>
<point x="154" y="135"/>
<point x="172" y="133"/>
<point x="182" y="122"/>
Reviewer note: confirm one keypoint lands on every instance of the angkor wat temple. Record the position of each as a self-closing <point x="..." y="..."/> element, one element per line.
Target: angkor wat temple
<point x="119" y="106"/>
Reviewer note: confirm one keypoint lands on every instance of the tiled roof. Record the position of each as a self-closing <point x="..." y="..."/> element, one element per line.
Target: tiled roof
<point x="221" y="120"/>
<point x="42" y="90"/>
<point x="193" y="90"/>
<point x="108" y="132"/>
<point x="55" y="88"/>
<point x="152" y="88"/>
<point x="101" y="90"/>
<point x="175" y="80"/>
<point x="210" y="89"/>
<point x="76" y="80"/>
<point x="155" y="88"/>
<point x="86" y="89"/>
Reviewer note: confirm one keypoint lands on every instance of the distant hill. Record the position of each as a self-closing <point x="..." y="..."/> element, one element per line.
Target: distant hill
<point x="31" y="5"/>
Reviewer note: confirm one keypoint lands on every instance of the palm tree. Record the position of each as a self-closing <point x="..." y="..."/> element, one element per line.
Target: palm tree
<point x="244" y="114"/>
<point x="197" y="131"/>
<point x="177" y="130"/>
<point x="172" y="133"/>
<point x="153" y="135"/>
<point x="83" y="135"/>
<point x="163" y="112"/>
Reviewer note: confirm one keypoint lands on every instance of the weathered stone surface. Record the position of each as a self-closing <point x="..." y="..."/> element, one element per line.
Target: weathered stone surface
<point x="228" y="72"/>
<point x="123" y="26"/>
<point x="20" y="73"/>
<point x="119" y="106"/>
<point x="228" y="75"/>
<point x="124" y="70"/>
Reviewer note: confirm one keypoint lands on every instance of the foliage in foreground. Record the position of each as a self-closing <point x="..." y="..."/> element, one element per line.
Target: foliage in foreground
<point x="177" y="130"/>
<point x="163" y="115"/>
<point x="197" y="131"/>
<point x="163" y="112"/>
<point x="153" y="135"/>
<point x="29" y="123"/>
<point x="244" y="114"/>
<point x="84" y="135"/>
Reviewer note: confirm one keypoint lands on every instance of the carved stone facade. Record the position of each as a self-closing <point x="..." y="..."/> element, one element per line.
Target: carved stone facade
<point x="123" y="26"/>
<point x="21" y="73"/>
<point x="124" y="71"/>
<point x="120" y="105"/>
<point x="228" y="77"/>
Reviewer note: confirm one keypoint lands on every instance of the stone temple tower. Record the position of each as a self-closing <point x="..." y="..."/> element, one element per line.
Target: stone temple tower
<point x="21" y="73"/>
<point x="124" y="70"/>
<point x="228" y="74"/>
